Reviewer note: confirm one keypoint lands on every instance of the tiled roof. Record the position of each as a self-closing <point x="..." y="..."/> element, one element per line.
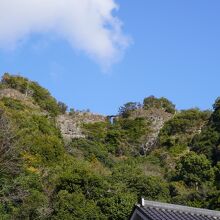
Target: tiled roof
<point x="163" y="211"/>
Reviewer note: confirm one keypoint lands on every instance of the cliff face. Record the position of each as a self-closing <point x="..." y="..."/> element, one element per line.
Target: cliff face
<point x="70" y="123"/>
<point x="24" y="98"/>
<point x="156" y="118"/>
<point x="12" y="93"/>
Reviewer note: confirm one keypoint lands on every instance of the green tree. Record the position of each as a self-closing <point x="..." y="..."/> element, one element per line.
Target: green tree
<point x="63" y="107"/>
<point x="162" y="103"/>
<point x="195" y="170"/>
<point x="117" y="207"/>
<point x="75" y="206"/>
<point x="126" y="110"/>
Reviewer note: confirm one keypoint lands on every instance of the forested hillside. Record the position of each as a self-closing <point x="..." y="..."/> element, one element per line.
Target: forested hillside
<point x="56" y="164"/>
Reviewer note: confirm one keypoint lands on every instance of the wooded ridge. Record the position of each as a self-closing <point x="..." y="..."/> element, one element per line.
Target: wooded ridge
<point x="59" y="164"/>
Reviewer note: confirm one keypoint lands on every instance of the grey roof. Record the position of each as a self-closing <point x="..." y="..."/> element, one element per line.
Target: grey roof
<point x="163" y="211"/>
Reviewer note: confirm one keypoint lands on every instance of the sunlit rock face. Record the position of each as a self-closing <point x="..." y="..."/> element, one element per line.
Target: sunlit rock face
<point x="70" y="123"/>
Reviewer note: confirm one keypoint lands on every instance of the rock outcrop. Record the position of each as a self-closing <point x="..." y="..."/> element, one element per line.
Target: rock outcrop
<point x="15" y="94"/>
<point x="12" y="93"/>
<point x="70" y="123"/>
<point x="157" y="118"/>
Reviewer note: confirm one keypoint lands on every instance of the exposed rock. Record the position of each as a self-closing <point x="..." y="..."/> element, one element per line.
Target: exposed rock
<point x="157" y="118"/>
<point x="12" y="93"/>
<point x="15" y="94"/>
<point x="70" y="123"/>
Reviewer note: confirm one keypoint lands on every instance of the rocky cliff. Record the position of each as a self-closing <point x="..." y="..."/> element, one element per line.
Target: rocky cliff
<point x="70" y="123"/>
<point x="157" y="118"/>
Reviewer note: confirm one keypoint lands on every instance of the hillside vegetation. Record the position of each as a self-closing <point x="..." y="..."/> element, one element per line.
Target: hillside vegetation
<point x="104" y="166"/>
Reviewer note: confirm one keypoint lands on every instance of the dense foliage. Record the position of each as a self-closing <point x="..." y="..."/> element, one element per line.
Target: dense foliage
<point x="40" y="95"/>
<point x="102" y="175"/>
<point x="177" y="134"/>
<point x="153" y="102"/>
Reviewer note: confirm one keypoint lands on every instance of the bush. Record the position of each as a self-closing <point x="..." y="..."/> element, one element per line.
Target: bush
<point x="161" y="103"/>
<point x="126" y="110"/>
<point x="195" y="170"/>
<point x="40" y="95"/>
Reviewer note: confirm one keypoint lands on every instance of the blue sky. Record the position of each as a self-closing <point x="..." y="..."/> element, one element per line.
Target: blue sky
<point x="174" y="52"/>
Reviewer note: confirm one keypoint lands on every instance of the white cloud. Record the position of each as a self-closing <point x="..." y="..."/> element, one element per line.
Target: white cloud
<point x="88" y="25"/>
